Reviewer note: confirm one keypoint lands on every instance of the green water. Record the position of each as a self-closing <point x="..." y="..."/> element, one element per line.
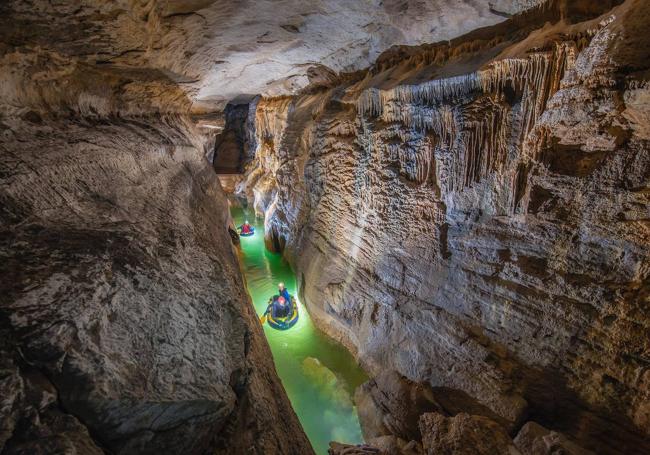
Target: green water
<point x="318" y="374"/>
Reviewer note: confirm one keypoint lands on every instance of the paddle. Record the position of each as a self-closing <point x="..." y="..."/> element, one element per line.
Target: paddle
<point x="264" y="316"/>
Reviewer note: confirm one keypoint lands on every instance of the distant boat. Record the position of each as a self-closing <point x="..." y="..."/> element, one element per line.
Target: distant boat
<point x="245" y="234"/>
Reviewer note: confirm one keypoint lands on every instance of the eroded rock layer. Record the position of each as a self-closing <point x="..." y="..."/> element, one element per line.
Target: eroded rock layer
<point x="125" y="326"/>
<point x="474" y="215"/>
<point x="125" y="322"/>
<point x="217" y="50"/>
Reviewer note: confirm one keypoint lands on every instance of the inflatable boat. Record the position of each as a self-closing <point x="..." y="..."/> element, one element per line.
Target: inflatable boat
<point x="281" y="323"/>
<point x="248" y="234"/>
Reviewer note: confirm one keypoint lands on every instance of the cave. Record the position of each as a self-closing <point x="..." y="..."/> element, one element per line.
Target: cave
<point x="454" y="195"/>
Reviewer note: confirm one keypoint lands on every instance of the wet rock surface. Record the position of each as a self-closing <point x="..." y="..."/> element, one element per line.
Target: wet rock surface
<point x="474" y="216"/>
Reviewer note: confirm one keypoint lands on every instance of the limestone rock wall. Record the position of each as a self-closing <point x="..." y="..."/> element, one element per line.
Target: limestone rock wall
<point x="125" y="326"/>
<point x="124" y="315"/>
<point x="475" y="215"/>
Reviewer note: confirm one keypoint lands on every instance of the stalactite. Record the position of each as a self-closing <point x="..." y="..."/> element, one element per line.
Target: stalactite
<point x="431" y="93"/>
<point x="470" y="113"/>
<point x="484" y="141"/>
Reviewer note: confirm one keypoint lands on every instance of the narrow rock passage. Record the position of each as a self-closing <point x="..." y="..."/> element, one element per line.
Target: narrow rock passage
<point x="318" y="374"/>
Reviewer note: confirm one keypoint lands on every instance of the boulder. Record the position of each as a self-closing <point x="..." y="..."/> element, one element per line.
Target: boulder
<point x="464" y="434"/>
<point x="534" y="439"/>
<point x="390" y="404"/>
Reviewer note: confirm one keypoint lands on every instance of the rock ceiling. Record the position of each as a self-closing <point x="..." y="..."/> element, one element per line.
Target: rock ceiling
<point x="220" y="50"/>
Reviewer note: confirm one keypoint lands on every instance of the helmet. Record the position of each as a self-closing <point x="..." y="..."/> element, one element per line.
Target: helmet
<point x="281" y="299"/>
<point x="280" y="284"/>
<point x="246" y="222"/>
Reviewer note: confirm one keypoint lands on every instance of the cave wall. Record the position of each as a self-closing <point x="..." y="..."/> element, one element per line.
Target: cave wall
<point x="124" y="314"/>
<point x="474" y="215"/>
<point x="125" y="326"/>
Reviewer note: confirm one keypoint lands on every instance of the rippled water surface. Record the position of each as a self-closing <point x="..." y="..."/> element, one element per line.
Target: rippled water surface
<point x="318" y="374"/>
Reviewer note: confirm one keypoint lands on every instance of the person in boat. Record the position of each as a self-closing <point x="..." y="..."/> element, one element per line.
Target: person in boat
<point x="246" y="228"/>
<point x="281" y="307"/>
<point x="282" y="291"/>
